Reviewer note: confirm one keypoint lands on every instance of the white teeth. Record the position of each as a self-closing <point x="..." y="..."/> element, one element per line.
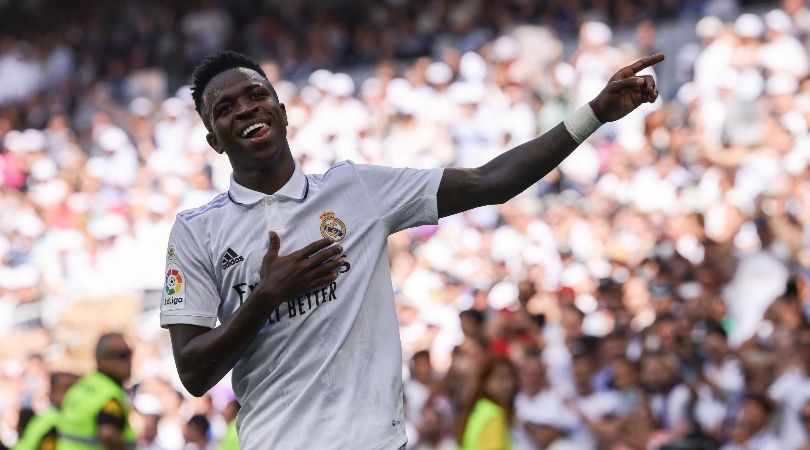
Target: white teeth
<point x="249" y="129"/>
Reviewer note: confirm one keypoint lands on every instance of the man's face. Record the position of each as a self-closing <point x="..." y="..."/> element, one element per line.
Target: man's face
<point x="246" y="120"/>
<point x="533" y="375"/>
<point x="715" y="346"/>
<point x="752" y="417"/>
<point x="654" y="373"/>
<point x="117" y="359"/>
<point x="61" y="384"/>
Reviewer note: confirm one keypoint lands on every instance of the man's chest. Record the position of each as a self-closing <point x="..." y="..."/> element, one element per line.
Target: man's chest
<point x="238" y="254"/>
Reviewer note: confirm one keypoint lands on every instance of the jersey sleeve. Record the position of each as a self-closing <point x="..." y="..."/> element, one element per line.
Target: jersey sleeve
<point x="402" y="197"/>
<point x="111" y="414"/>
<point x="189" y="293"/>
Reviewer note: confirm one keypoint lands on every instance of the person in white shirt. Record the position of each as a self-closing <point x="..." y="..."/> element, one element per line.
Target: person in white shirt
<point x="285" y="278"/>
<point x="536" y="394"/>
<point x="751" y="426"/>
<point x="548" y="428"/>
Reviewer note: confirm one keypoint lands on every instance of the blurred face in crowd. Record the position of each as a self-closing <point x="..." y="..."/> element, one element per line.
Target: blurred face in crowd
<point x="612" y="347"/>
<point x="469" y="325"/>
<point x="532" y="376"/>
<point x="715" y="346"/>
<point x="422" y="369"/>
<point x="655" y="374"/>
<point x="115" y="359"/>
<point x="246" y="120"/>
<point x="60" y="383"/>
<point x="582" y="370"/>
<point x="751" y="418"/>
<point x="624" y="374"/>
<point x="501" y="384"/>
<point x="192" y="433"/>
<point x="666" y="330"/>
<point x="150" y="427"/>
<point x="430" y="428"/>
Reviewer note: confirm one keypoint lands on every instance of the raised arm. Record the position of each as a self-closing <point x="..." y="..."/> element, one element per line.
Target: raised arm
<point x="204" y="355"/>
<point x="515" y="170"/>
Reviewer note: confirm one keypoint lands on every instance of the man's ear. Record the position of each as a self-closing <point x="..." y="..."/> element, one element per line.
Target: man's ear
<point x="284" y="113"/>
<point x="213" y="142"/>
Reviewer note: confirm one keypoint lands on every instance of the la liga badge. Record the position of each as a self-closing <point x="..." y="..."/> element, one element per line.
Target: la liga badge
<point x="174" y="289"/>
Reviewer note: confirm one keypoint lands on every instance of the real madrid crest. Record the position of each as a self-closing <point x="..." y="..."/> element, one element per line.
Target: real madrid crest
<point x="332" y="227"/>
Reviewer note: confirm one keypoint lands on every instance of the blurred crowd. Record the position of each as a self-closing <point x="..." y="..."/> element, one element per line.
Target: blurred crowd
<point x="651" y="293"/>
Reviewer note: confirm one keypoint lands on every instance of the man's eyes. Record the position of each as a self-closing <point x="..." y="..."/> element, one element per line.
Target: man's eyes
<point x="225" y="108"/>
<point x="222" y="110"/>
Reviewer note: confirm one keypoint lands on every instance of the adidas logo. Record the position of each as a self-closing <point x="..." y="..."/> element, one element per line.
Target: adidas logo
<point x="231" y="258"/>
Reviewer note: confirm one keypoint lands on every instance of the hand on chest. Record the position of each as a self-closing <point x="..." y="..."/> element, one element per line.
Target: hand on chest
<point x="240" y="258"/>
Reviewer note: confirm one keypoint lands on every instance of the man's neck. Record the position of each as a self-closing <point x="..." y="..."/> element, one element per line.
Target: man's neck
<point x="267" y="181"/>
<point x="534" y="390"/>
<point x="117" y="381"/>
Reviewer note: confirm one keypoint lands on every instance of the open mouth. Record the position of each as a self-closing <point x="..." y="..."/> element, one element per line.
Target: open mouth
<point x="257" y="131"/>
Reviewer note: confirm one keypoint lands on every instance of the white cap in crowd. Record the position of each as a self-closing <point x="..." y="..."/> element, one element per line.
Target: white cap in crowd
<point x="596" y="33"/>
<point x="749" y="26"/>
<point x="778" y="20"/>
<point x="709" y="27"/>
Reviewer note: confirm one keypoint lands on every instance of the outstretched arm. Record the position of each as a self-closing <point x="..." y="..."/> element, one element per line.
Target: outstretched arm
<point x="515" y="170"/>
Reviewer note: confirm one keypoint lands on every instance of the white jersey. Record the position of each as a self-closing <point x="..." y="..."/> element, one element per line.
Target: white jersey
<point x="325" y="371"/>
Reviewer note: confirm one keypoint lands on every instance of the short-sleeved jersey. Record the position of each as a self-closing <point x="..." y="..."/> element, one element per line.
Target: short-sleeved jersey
<point x="325" y="371"/>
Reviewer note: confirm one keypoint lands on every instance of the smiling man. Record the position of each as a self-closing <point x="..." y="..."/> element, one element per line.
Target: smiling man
<point x="295" y="266"/>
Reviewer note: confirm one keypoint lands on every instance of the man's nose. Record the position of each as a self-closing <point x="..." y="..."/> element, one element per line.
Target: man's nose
<point x="245" y="109"/>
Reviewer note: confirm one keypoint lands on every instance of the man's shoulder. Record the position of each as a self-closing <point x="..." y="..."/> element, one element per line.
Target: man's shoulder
<point x="215" y="204"/>
<point x="337" y="172"/>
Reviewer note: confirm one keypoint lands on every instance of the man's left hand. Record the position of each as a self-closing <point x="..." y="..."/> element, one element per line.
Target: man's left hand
<point x="625" y="91"/>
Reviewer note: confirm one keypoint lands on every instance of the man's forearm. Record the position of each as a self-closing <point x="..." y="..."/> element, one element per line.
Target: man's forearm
<point x="207" y="357"/>
<point x="505" y="176"/>
<point x="514" y="171"/>
<point x="111" y="438"/>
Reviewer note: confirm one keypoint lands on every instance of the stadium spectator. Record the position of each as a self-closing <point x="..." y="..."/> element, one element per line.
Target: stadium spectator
<point x="750" y="428"/>
<point x="196" y="433"/>
<point x="147" y="438"/>
<point x="488" y="414"/>
<point x="95" y="410"/>
<point x="40" y="431"/>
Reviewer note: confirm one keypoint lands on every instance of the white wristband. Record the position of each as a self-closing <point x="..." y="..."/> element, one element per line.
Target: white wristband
<point x="582" y="123"/>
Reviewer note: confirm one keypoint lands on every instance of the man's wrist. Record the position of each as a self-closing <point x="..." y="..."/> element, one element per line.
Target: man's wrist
<point x="264" y="300"/>
<point x="596" y="107"/>
<point x="582" y="123"/>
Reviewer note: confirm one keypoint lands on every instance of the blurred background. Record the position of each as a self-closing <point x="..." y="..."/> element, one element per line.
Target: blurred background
<point x="652" y="292"/>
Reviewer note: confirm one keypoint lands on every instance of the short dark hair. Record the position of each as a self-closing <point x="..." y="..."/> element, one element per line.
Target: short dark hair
<point x="421" y="354"/>
<point x="714" y="327"/>
<point x="201" y="423"/>
<point x="762" y="401"/>
<point x="474" y="314"/>
<point x="56" y="376"/>
<point x="103" y="343"/>
<point x="212" y="66"/>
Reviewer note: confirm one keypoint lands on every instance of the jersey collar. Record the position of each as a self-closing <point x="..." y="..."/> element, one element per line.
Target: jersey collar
<point x="295" y="188"/>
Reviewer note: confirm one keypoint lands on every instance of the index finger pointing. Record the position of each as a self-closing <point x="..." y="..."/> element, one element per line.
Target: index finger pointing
<point x="645" y="62"/>
<point x="637" y="66"/>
